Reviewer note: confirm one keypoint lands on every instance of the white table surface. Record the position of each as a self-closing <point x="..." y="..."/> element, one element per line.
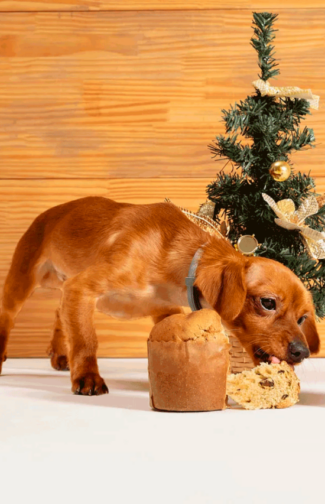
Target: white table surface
<point x="59" y="447"/>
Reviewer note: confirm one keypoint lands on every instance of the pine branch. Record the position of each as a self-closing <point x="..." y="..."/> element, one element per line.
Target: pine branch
<point x="264" y="33"/>
<point x="296" y="140"/>
<point x="230" y="148"/>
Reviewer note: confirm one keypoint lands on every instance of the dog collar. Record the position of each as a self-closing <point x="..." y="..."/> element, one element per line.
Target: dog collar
<point x="193" y="295"/>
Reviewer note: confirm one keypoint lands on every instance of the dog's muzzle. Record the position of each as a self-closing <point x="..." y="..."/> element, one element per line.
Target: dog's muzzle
<point x="297" y="351"/>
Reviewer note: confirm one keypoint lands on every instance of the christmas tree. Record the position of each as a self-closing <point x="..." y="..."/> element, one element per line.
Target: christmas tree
<point x="261" y="133"/>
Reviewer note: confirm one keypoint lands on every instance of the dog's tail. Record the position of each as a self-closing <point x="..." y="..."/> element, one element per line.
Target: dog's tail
<point x="21" y="279"/>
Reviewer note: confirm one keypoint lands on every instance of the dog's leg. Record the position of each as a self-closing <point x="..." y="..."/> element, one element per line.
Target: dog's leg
<point x="16" y="290"/>
<point x="20" y="282"/>
<point x="77" y="313"/>
<point x="58" y="348"/>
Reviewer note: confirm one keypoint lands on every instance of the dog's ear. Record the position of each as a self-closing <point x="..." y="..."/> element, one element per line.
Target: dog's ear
<point x="232" y="295"/>
<point x="310" y="331"/>
<point x="224" y="287"/>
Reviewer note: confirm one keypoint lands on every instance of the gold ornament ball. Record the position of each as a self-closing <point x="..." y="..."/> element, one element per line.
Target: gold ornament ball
<point x="280" y="171"/>
<point x="247" y="245"/>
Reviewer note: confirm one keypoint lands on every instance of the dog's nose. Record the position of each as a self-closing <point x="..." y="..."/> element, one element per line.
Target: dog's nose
<point x="297" y="351"/>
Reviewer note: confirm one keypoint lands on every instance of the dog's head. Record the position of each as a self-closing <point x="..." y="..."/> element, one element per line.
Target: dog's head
<point x="263" y="304"/>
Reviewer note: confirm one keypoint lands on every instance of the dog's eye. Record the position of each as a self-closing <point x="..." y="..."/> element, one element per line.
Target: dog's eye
<point x="268" y="303"/>
<point x="300" y="321"/>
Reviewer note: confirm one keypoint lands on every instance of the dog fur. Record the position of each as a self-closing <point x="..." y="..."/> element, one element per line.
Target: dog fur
<point x="130" y="261"/>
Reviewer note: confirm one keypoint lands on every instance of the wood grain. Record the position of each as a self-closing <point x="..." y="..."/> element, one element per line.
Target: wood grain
<point x="123" y="103"/>
<point x="139" y="5"/>
<point x="22" y="200"/>
<point x="139" y="94"/>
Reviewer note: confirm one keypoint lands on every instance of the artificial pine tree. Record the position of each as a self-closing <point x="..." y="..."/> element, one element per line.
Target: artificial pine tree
<point x="260" y="131"/>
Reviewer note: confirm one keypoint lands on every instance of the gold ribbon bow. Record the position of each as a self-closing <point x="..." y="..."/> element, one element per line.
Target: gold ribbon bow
<point x="290" y="218"/>
<point x="287" y="92"/>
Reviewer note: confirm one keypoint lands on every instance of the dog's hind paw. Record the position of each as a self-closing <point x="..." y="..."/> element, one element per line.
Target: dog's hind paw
<point x="59" y="362"/>
<point x="2" y="360"/>
<point x="89" y="384"/>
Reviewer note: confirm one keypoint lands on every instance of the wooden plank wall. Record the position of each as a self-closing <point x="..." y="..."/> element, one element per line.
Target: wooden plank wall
<point x="121" y="99"/>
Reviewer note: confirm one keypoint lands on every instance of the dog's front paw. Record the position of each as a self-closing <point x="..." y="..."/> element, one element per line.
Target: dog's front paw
<point x="89" y="384"/>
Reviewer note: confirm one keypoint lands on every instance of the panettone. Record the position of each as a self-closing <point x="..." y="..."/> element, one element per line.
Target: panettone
<point x="265" y="386"/>
<point x="188" y="362"/>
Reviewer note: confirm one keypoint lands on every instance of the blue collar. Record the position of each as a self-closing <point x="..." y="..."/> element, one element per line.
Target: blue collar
<point x="193" y="294"/>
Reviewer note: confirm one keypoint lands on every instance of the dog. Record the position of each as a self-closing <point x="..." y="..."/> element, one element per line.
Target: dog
<point x="131" y="261"/>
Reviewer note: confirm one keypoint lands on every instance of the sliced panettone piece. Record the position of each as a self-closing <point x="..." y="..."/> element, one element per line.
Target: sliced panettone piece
<point x="265" y="386"/>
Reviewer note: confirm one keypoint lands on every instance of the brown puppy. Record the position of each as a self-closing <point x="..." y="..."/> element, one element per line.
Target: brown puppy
<point x="131" y="261"/>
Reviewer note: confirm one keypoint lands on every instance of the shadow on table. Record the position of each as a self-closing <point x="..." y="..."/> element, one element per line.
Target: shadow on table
<point x="311" y="399"/>
<point x="124" y="394"/>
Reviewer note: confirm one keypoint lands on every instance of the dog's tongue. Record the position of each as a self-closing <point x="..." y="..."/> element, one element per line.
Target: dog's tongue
<point x="275" y="360"/>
